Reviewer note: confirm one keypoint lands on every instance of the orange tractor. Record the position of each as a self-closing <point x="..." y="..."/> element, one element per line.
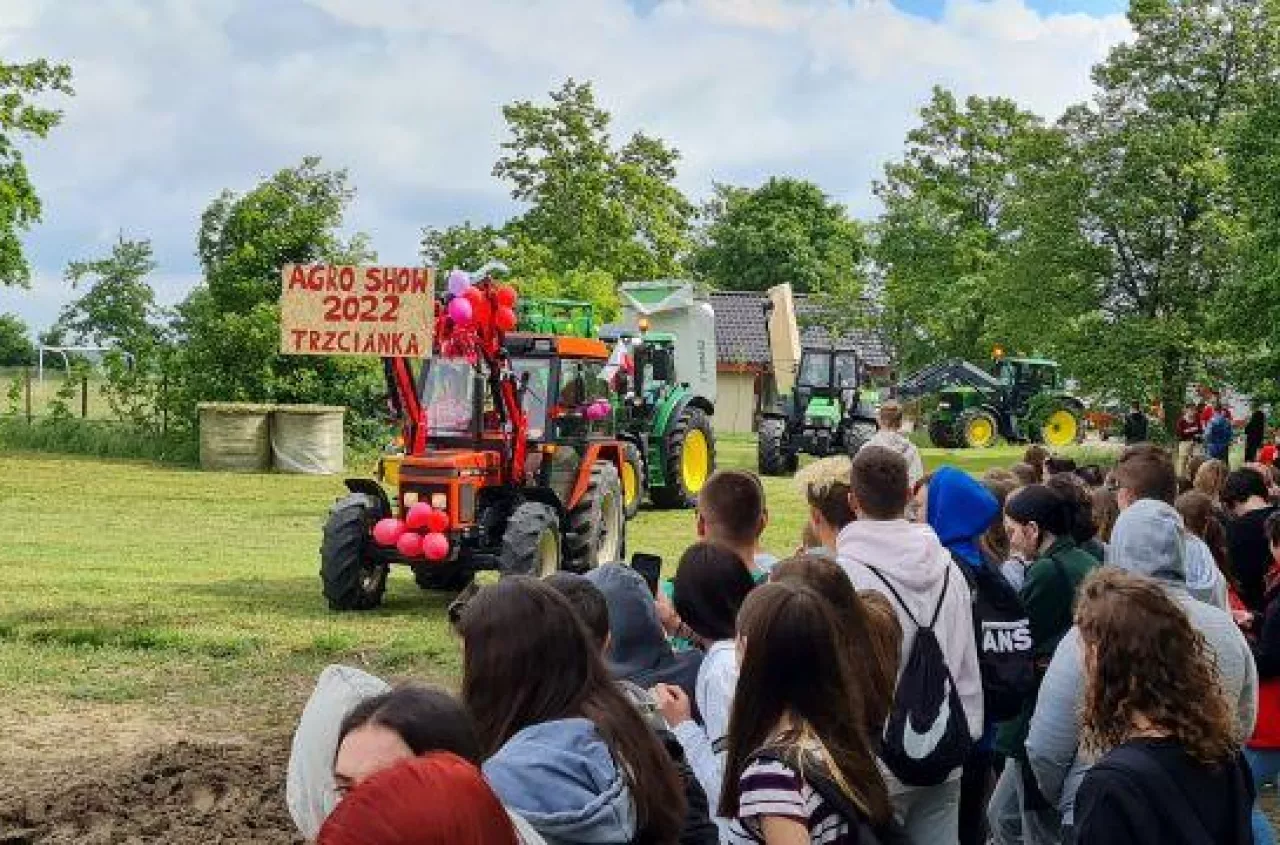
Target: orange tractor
<point x="510" y="461"/>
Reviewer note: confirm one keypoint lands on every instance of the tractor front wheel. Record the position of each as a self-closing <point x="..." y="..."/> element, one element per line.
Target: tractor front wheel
<point x="352" y="579"/>
<point x="941" y="434"/>
<point x="977" y="429"/>
<point x="772" y="455"/>
<point x="531" y="543"/>
<point x="857" y="435"/>
<point x="690" y="459"/>
<point x="598" y="524"/>
<point x="632" y="479"/>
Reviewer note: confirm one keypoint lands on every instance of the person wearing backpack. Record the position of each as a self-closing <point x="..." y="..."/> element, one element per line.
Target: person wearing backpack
<point x="960" y="510"/>
<point x="1171" y="771"/>
<point x="937" y="710"/>
<point x="799" y="766"/>
<point x="1039" y="522"/>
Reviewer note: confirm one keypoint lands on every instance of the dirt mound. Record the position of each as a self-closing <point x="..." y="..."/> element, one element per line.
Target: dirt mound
<point x="187" y="792"/>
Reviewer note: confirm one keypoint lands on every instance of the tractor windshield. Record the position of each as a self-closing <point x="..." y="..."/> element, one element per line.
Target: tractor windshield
<point x="815" y="369"/>
<point x="534" y="374"/>
<point x="846" y="371"/>
<point x="449" y="396"/>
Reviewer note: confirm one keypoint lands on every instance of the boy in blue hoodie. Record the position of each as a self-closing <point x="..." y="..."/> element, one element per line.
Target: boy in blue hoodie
<point x="960" y="510"/>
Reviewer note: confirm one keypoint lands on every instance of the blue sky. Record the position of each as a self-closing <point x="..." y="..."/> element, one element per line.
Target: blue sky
<point x="179" y="99"/>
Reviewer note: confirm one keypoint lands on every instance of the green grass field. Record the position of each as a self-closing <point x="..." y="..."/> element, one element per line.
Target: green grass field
<point x="134" y="591"/>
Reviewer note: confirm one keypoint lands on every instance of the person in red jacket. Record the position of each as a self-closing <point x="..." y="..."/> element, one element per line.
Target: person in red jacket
<point x="1190" y="431"/>
<point x="1263" y="749"/>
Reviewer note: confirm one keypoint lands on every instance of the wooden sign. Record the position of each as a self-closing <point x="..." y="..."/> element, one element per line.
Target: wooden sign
<point x="385" y="312"/>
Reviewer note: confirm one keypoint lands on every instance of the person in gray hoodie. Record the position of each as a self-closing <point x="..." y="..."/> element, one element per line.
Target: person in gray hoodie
<point x="881" y="543"/>
<point x="1148" y="539"/>
<point x="565" y="749"/>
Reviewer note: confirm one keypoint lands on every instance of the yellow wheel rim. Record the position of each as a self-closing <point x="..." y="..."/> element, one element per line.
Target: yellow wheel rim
<point x="1061" y="428"/>
<point x="695" y="460"/>
<point x="981" y="433"/>
<point x="630" y="483"/>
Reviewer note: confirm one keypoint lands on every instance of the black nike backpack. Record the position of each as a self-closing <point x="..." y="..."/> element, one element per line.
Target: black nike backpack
<point x="1003" y="633"/>
<point x="926" y="737"/>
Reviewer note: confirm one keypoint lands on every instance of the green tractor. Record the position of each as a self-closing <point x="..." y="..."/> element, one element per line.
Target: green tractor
<point x="1020" y="399"/>
<point x="669" y="448"/>
<point x="828" y="412"/>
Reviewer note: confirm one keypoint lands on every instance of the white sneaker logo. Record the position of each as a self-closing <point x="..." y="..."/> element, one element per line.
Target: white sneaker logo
<point x="918" y="746"/>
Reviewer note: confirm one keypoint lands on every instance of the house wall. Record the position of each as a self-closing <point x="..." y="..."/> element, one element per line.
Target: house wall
<point x="735" y="403"/>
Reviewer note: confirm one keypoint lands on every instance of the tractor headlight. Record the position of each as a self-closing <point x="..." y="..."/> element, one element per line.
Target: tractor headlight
<point x="944" y="404"/>
<point x="440" y="501"/>
<point x="410" y="499"/>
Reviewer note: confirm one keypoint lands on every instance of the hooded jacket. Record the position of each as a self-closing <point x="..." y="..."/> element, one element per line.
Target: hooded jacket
<point x="561" y="778"/>
<point x="911" y="558"/>
<point x="1148" y="539"/>
<point x="638" y="648"/>
<point x="960" y="510"/>
<point x="1204" y="580"/>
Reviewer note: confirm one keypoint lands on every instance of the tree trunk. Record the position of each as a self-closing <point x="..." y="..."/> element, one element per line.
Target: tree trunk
<point x="1173" y="387"/>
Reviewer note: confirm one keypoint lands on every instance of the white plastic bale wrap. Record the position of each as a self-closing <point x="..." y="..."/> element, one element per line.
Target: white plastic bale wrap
<point x="308" y="439"/>
<point x="235" y="437"/>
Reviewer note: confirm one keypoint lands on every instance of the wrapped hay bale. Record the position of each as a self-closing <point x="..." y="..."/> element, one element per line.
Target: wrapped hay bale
<point x="308" y="439"/>
<point x="235" y="436"/>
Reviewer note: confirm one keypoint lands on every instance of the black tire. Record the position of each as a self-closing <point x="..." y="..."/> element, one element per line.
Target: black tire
<point x="942" y="434"/>
<point x="631" y="457"/>
<point x="597" y="527"/>
<point x="772" y="456"/>
<point x="351" y="579"/>
<point x="857" y="435"/>
<point x="676" y="492"/>
<point x="532" y="532"/>
<point x="967" y="419"/>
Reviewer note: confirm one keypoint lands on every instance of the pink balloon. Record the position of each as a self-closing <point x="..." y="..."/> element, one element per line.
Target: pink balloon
<point x="437" y="522"/>
<point x="387" y="531"/>
<point x="410" y="544"/>
<point x="458" y="282"/>
<point x="460" y="310"/>
<point x="417" y="517"/>
<point x="435" y="547"/>
<point x="597" y="411"/>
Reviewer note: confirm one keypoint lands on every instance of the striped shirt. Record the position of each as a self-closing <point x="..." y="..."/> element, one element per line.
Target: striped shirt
<point x="771" y="788"/>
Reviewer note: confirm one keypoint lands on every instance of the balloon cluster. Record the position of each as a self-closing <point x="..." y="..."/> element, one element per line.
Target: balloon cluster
<point x="480" y="305"/>
<point x="419" y="534"/>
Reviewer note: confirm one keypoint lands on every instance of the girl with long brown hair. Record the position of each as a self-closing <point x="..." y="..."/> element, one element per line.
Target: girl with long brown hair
<point x="799" y="767"/>
<point x="1171" y="771"/>
<point x="565" y="749"/>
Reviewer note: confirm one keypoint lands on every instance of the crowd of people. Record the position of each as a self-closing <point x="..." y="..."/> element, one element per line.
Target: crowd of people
<point x="1046" y="654"/>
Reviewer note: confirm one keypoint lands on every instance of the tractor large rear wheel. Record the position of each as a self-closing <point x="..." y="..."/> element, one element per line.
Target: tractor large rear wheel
<point x="977" y="429"/>
<point x="531" y="543"/>
<point x="690" y="460"/>
<point x="772" y="455"/>
<point x="598" y="524"/>
<point x="1062" y="426"/>
<point x="633" y="479"/>
<point x="352" y="579"/>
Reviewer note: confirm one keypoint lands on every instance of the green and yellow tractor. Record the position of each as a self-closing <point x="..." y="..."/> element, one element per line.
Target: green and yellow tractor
<point x="664" y="424"/>
<point x="1019" y="399"/>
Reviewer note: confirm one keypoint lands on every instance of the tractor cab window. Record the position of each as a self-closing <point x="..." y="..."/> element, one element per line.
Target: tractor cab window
<point x="846" y="371"/>
<point x="815" y="369"/>
<point x="1043" y="376"/>
<point x="582" y="383"/>
<point x="449" y="395"/>
<point x="662" y="362"/>
<point x="533" y="375"/>
<point x="1006" y="373"/>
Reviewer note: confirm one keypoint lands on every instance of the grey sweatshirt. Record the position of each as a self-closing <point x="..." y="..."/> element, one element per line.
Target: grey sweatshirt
<point x="1147" y="540"/>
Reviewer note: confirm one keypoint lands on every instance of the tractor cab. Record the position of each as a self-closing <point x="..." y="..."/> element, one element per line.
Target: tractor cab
<point x="1024" y="378"/>
<point x="827" y="382"/>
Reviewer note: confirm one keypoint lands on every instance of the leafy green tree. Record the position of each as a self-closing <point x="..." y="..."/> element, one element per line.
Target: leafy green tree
<point x="118" y="306"/>
<point x="1248" y="308"/>
<point x="942" y="241"/>
<point x="16" y="348"/>
<point x="230" y="324"/>
<point x="20" y="84"/>
<point x="786" y="230"/>
<point x="591" y="206"/>
<point x="1127" y="232"/>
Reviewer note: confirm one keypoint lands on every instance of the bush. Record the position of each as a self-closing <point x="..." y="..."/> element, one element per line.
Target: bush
<point x="98" y="438"/>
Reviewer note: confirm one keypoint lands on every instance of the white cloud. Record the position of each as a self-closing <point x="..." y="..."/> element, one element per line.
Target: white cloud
<point x="177" y="99"/>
